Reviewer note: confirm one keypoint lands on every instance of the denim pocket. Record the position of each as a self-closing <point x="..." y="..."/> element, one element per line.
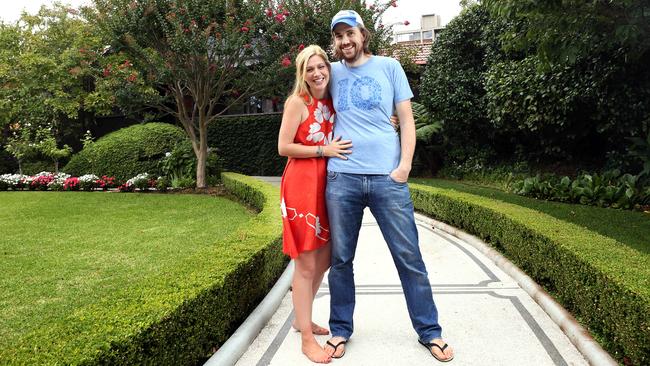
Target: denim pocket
<point x="394" y="181"/>
<point x="331" y="176"/>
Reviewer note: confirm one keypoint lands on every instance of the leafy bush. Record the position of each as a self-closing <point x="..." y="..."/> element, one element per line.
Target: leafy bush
<point x="127" y="152"/>
<point x="640" y="150"/>
<point x="452" y="86"/>
<point x="179" y="163"/>
<point x="179" y="166"/>
<point x="603" y="282"/>
<point x="609" y="189"/>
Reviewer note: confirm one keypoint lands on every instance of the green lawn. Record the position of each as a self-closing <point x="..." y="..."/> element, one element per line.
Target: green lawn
<point x="631" y="228"/>
<point x="72" y="259"/>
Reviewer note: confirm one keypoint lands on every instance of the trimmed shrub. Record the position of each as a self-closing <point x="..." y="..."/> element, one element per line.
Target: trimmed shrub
<point x="248" y="144"/>
<point x="602" y="282"/>
<point x="206" y="307"/>
<point x="127" y="152"/>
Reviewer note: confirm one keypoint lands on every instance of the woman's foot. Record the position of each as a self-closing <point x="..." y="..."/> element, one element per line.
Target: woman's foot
<point x="314" y="351"/>
<point x="315" y="329"/>
<point x="335" y="347"/>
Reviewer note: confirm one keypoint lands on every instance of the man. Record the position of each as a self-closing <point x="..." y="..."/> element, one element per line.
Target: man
<point x="366" y="90"/>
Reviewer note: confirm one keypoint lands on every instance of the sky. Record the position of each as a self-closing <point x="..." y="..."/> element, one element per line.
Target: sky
<point x="410" y="10"/>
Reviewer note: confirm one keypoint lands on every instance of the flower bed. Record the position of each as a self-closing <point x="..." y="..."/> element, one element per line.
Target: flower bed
<point x="45" y="181"/>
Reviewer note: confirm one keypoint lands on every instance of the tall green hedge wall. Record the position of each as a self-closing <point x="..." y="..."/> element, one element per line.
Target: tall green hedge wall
<point x="248" y="144"/>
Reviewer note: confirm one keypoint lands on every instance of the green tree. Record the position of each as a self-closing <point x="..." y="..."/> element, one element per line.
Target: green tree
<point x="52" y="73"/>
<point x="573" y="82"/>
<point x="48" y="146"/>
<point x="20" y="144"/>
<point x="452" y="87"/>
<point x="206" y="56"/>
<point x="563" y="31"/>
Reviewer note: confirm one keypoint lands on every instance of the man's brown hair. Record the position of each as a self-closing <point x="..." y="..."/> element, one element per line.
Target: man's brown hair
<point x="366" y="42"/>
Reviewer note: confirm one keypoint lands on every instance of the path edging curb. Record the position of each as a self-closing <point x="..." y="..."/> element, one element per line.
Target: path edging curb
<point x="577" y="334"/>
<point x="231" y="351"/>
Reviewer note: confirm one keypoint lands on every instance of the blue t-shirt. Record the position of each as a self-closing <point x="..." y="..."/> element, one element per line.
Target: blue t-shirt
<point x="364" y="99"/>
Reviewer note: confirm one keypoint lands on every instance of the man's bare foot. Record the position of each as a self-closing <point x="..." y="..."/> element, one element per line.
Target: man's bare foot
<point x="335" y="347"/>
<point x="439" y="350"/>
<point x="314" y="351"/>
<point x="315" y="329"/>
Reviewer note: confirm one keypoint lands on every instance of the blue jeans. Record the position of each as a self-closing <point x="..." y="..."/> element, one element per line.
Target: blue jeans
<point x="390" y="203"/>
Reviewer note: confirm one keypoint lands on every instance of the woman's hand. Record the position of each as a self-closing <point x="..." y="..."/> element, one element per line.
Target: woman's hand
<point x="337" y="148"/>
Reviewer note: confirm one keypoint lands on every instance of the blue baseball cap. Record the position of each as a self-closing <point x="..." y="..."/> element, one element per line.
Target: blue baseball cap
<point x="349" y="17"/>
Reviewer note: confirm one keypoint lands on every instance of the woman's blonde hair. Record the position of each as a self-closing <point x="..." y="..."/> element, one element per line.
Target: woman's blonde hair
<point x="300" y="87"/>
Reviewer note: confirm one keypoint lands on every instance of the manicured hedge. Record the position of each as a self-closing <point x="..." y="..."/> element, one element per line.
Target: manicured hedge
<point x="248" y="144"/>
<point x="127" y="152"/>
<point x="201" y="308"/>
<point x="604" y="283"/>
<point x="250" y="261"/>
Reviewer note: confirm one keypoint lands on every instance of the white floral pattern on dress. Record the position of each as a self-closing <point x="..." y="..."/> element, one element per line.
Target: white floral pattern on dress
<point x="315" y="133"/>
<point x="322" y="113"/>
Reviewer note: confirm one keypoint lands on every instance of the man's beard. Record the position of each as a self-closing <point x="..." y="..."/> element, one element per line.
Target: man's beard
<point x="358" y="51"/>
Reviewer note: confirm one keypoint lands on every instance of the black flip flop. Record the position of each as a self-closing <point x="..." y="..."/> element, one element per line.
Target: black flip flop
<point x="442" y="349"/>
<point x="336" y="347"/>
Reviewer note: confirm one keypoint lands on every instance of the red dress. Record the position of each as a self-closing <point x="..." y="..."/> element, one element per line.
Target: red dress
<point x="302" y="193"/>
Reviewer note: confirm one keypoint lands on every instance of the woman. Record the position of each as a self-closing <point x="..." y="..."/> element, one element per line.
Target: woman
<point x="306" y="139"/>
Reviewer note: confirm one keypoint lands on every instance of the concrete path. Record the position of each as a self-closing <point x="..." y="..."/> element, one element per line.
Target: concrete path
<point x="485" y="315"/>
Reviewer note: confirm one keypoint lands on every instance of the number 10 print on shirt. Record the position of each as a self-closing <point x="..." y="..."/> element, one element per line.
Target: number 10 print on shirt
<point x="364" y="93"/>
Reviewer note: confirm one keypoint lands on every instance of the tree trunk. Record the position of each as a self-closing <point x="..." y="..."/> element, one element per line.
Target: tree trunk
<point x="200" y="168"/>
<point x="202" y="157"/>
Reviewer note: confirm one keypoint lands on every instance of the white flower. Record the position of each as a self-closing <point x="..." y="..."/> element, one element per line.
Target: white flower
<point x="88" y="178"/>
<point x="13" y="179"/>
<point x="322" y="113"/>
<point x="138" y="178"/>
<point x="314" y="133"/>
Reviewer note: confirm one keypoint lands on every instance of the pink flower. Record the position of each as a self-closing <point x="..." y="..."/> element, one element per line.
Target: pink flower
<point x="244" y="29"/>
<point x="393" y="3"/>
<point x="301" y="47"/>
<point x="406" y="22"/>
<point x="286" y="62"/>
<point x="71" y="184"/>
<point x="275" y="37"/>
<point x="280" y="18"/>
<point x="269" y="12"/>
